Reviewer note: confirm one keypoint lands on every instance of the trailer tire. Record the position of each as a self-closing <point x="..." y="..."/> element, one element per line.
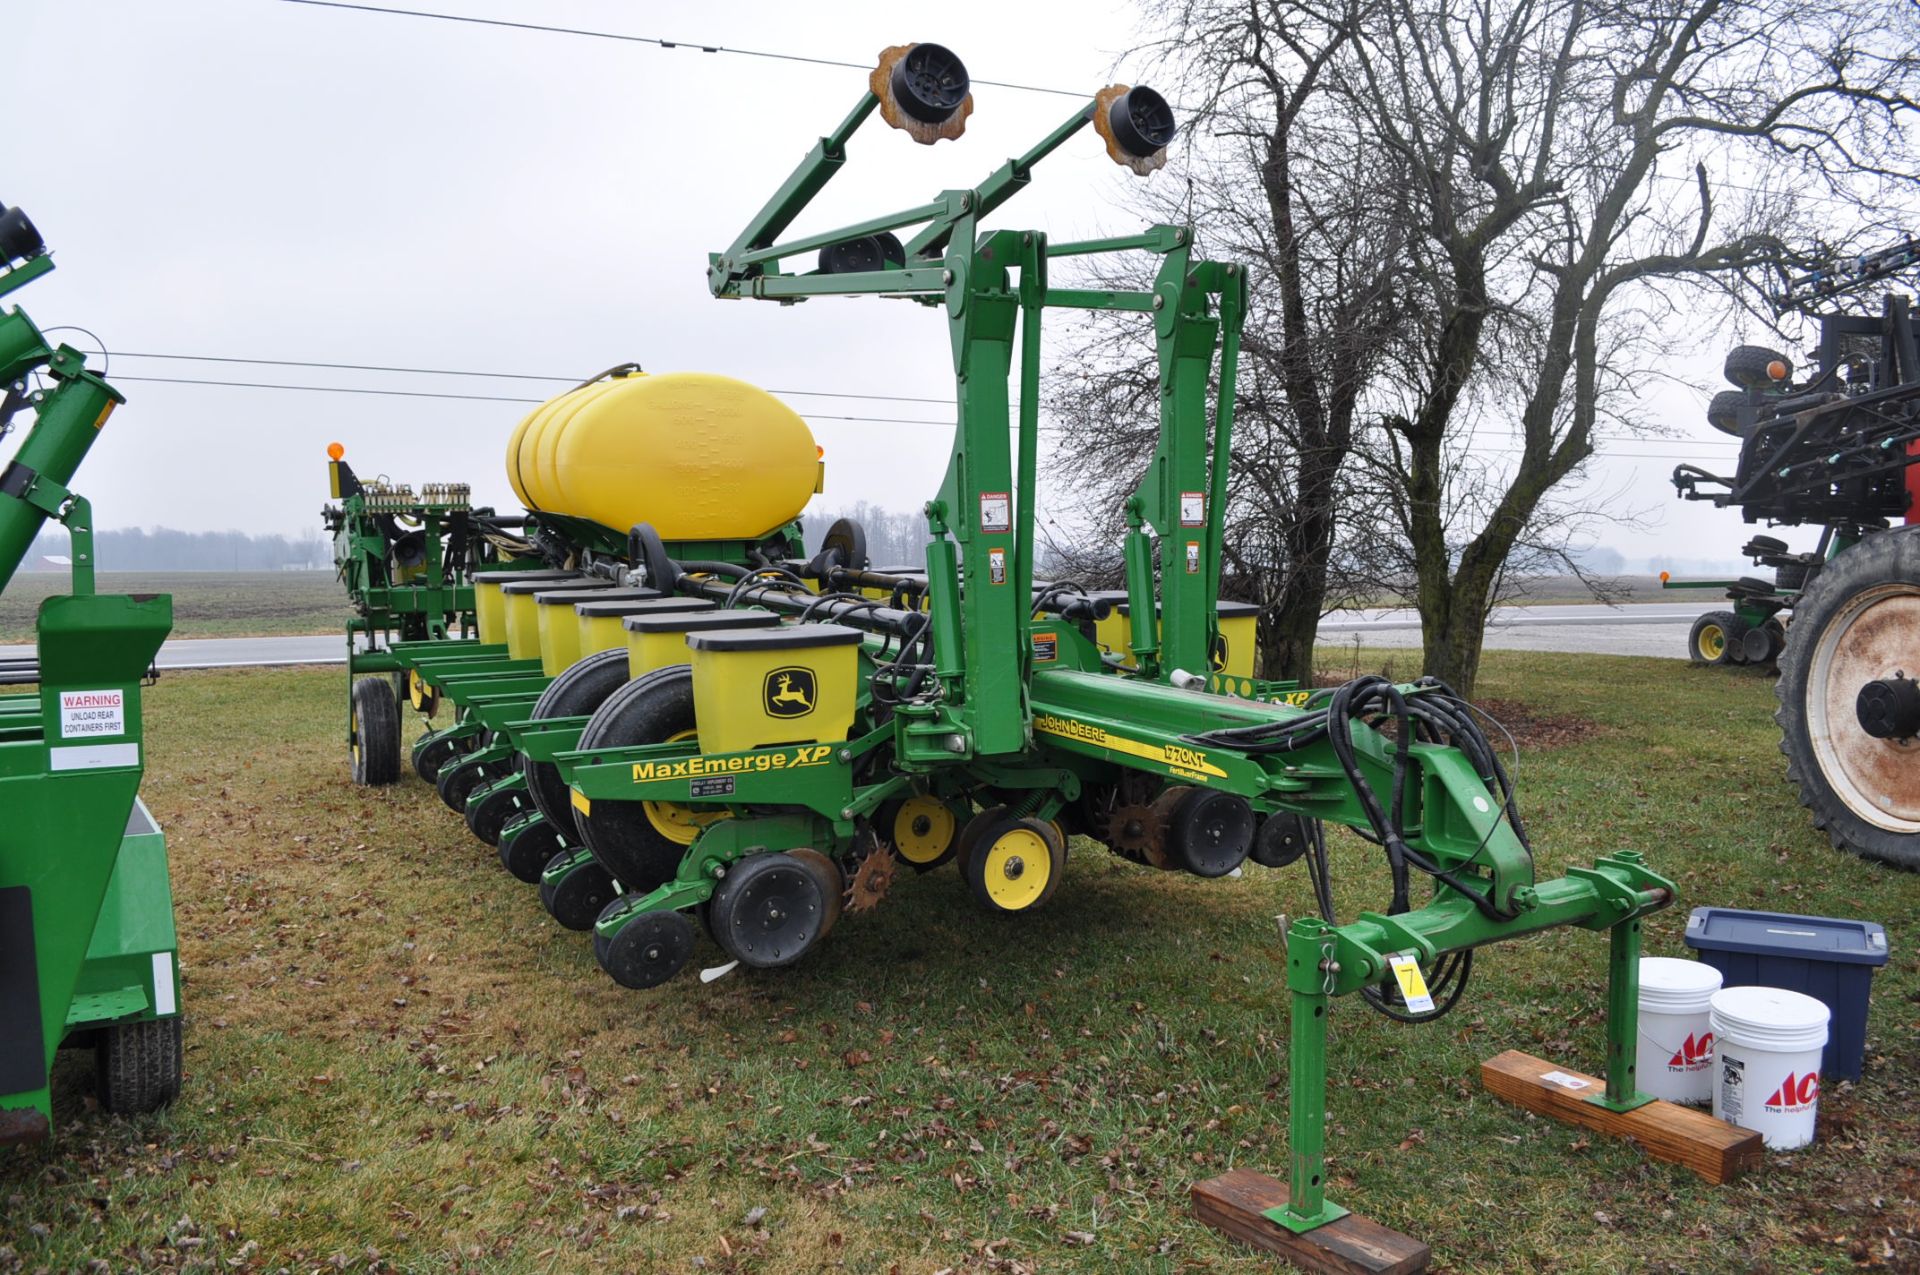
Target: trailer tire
<point x="641" y="842"/>
<point x="1747" y="365"/>
<point x="376" y="733"/>
<point x="1713" y="638"/>
<point x="137" y="1066"/>
<point x="578" y="692"/>
<point x="1859" y="620"/>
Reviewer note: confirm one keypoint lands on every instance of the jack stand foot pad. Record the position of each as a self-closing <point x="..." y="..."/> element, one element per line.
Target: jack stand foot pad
<point x="1714" y="1149"/>
<point x="1236" y="1202"/>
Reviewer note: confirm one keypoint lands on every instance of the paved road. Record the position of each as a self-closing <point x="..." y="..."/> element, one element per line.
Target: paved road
<point x="1648" y="628"/>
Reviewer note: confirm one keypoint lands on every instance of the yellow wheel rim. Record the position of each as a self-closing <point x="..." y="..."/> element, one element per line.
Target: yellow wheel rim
<point x="680" y="824"/>
<point x="923" y="828"/>
<point x="1713" y="642"/>
<point x="1016" y="869"/>
<point x="356" y="734"/>
<point x="417" y="690"/>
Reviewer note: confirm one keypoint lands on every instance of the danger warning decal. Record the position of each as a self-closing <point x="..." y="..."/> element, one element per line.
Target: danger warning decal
<point x="92" y="714"/>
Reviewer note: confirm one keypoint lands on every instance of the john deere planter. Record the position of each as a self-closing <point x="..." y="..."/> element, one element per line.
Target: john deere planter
<point x="87" y="952"/>
<point x="780" y="757"/>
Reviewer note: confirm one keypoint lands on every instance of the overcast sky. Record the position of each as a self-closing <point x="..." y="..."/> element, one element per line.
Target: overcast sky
<point x="258" y="179"/>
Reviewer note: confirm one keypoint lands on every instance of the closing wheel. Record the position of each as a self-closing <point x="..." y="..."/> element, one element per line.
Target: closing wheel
<point x="433" y="752"/>
<point x="1849" y="715"/>
<point x="1014" y="865"/>
<point x="576" y="898"/>
<point x="1711" y="639"/>
<point x="527" y="844"/>
<point x="923" y="830"/>
<point x="768" y="911"/>
<point x="577" y="692"/>
<point x="459" y="780"/>
<point x="642" y="842"/>
<point x="137" y="1066"/>
<point x="376" y="733"/>
<point x="648" y="950"/>
<point x="488" y="812"/>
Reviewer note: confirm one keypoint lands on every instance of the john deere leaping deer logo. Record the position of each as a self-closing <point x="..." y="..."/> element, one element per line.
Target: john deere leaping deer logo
<point x="789" y="692"/>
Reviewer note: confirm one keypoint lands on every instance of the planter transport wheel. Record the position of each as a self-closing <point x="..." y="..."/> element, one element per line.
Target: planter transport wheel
<point x="1751" y="365"/>
<point x="1849" y="710"/>
<point x="1014" y="865"/>
<point x="648" y="950"/>
<point x="527" y="844"/>
<point x="376" y="733"/>
<point x="575" y="899"/>
<point x="768" y="911"/>
<point x="137" y="1065"/>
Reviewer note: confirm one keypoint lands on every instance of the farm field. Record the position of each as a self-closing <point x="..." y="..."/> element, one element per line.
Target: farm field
<point x="397" y="1062"/>
<point x="205" y="603"/>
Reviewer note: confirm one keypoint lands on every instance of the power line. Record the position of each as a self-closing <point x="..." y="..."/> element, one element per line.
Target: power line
<point x="656" y="41"/>
<point x="504" y="376"/>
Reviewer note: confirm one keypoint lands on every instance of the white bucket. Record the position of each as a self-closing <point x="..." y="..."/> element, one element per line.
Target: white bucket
<point x="1767" y="1043"/>
<point x="1674" y="1058"/>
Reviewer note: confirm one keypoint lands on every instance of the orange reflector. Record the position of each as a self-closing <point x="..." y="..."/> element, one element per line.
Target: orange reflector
<point x="819" y="452"/>
<point x="335" y="451"/>
<point x="1777" y="370"/>
<point x="1664" y="577"/>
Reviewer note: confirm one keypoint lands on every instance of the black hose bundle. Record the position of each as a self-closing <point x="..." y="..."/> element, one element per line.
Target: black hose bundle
<point x="1434" y="713"/>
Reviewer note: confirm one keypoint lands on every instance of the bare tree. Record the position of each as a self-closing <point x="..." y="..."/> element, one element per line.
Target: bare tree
<point x="1576" y="166"/>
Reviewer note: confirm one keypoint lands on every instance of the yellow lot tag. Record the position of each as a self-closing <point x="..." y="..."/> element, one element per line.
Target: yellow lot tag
<point x="1413" y="988"/>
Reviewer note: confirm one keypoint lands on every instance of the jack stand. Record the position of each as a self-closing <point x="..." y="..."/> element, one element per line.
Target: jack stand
<point x="1714" y="1149"/>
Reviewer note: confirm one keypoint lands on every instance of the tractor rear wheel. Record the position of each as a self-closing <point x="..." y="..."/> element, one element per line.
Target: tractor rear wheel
<point x="376" y="733"/>
<point x="1849" y="710"/>
<point x="642" y="842"/>
<point x="578" y="692"/>
<point x="137" y="1065"/>
<point x="1712" y="638"/>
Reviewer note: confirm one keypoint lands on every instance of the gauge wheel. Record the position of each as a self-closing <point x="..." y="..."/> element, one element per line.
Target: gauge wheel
<point x="1713" y="637"/>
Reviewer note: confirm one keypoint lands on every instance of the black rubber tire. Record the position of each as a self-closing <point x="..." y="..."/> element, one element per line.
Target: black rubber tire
<point x="433" y="752"/>
<point x="137" y="1066"/>
<point x="527" y="846"/>
<point x="768" y="911"/>
<point x="648" y="950"/>
<point x="647" y="710"/>
<point x="1700" y="642"/>
<point x="1791" y="576"/>
<point x="488" y="813"/>
<point x="1723" y="409"/>
<point x="1281" y="839"/>
<point x="1746" y="366"/>
<point x="376" y="716"/>
<point x="977" y="863"/>
<point x="577" y="692"/>
<point x="1212" y="832"/>
<point x="576" y="899"/>
<point x="1883" y="559"/>
<point x="458" y="780"/>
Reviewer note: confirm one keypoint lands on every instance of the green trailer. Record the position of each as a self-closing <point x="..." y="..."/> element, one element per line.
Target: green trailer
<point x="88" y="956"/>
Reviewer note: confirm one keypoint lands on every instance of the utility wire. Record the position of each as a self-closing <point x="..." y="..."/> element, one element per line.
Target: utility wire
<point x="656" y="41"/>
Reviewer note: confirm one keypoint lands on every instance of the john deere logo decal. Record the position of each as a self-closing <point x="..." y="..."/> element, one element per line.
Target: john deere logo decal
<point x="789" y="692"/>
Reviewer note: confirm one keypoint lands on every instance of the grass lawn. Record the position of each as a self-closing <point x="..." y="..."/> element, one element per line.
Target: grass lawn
<point x="396" y="1061"/>
<point x="205" y="603"/>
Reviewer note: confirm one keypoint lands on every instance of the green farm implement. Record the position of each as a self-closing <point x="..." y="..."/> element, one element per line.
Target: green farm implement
<point x="87" y="950"/>
<point x="832" y="723"/>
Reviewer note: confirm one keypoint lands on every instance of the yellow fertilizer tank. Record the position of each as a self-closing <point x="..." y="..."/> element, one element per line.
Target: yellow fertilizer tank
<point x="699" y="456"/>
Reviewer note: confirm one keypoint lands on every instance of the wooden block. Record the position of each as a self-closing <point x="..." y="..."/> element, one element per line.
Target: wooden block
<point x="1716" y="1150"/>
<point x="1236" y="1201"/>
